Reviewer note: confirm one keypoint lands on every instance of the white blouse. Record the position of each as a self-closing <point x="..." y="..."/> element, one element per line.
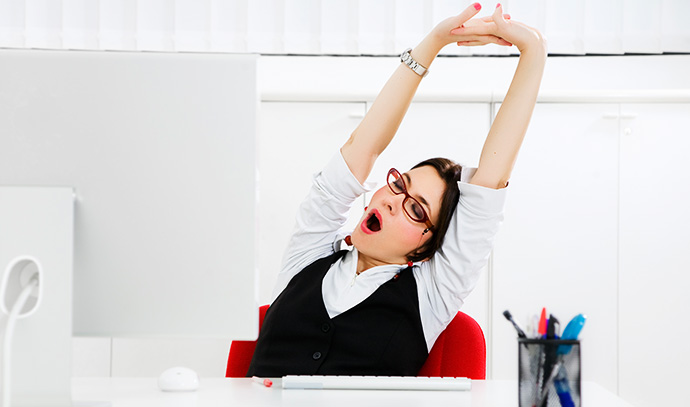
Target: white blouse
<point x="443" y="282"/>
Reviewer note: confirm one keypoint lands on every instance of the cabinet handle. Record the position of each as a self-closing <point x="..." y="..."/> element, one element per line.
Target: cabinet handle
<point x="610" y="115"/>
<point x="628" y="115"/>
<point x="356" y="115"/>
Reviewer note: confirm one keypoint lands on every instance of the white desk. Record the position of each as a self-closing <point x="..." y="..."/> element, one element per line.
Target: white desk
<point x="135" y="392"/>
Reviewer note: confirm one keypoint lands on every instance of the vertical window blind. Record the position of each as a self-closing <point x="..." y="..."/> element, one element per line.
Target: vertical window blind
<point x="332" y="27"/>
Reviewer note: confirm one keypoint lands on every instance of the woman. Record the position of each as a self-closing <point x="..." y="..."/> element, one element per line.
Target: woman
<point x="419" y="247"/>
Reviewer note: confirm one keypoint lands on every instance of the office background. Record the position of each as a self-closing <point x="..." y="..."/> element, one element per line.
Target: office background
<point x="596" y="218"/>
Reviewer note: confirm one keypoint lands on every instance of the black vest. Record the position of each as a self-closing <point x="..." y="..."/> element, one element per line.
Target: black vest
<point x="382" y="335"/>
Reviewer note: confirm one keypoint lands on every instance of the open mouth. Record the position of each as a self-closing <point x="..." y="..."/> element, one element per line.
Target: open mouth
<point x="372" y="223"/>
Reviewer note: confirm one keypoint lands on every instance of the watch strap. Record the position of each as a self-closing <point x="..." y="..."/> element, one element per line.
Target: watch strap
<point x="416" y="67"/>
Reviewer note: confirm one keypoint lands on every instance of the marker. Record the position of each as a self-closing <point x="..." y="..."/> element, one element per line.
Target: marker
<point x="571" y="332"/>
<point x="560" y="382"/>
<point x="519" y="330"/>
<point x="551" y="327"/>
<point x="551" y="358"/>
<point x="262" y="381"/>
<point x="542" y="323"/>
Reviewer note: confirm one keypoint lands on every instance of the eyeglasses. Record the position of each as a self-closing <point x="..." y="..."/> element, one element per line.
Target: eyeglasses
<point x="411" y="206"/>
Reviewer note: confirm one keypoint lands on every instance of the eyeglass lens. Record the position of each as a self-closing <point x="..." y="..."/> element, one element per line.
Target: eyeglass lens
<point x="413" y="208"/>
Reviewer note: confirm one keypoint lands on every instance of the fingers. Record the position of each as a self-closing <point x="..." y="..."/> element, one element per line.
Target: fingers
<point x="497" y="16"/>
<point x="467" y="14"/>
<point x="484" y="25"/>
<point x="472" y="43"/>
<point x="489" y="19"/>
<point x="481" y="29"/>
<point x="475" y="40"/>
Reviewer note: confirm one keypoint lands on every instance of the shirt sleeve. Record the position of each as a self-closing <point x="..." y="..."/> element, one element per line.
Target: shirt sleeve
<point x="455" y="269"/>
<point x="320" y="219"/>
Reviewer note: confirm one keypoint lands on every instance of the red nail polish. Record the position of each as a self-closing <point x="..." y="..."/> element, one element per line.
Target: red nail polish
<point x="477" y="6"/>
<point x="498" y="5"/>
<point x="365" y="208"/>
<point x="409" y="264"/>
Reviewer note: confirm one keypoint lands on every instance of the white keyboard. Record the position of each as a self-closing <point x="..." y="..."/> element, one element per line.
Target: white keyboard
<point x="376" y="383"/>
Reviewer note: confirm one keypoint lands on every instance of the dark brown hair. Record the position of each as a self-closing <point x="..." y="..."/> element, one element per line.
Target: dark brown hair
<point x="450" y="172"/>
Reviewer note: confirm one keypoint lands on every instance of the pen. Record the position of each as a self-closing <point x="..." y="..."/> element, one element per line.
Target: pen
<point x="560" y="382"/>
<point x="571" y="332"/>
<point x="519" y="330"/>
<point x="551" y="359"/>
<point x="262" y="381"/>
<point x="542" y="323"/>
<point x="551" y="327"/>
<point x="545" y="388"/>
<point x="533" y="326"/>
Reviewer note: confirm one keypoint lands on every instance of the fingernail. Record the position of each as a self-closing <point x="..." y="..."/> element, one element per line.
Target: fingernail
<point x="498" y="5"/>
<point x="477" y="6"/>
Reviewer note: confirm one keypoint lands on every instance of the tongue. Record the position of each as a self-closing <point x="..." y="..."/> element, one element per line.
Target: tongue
<point x="373" y="223"/>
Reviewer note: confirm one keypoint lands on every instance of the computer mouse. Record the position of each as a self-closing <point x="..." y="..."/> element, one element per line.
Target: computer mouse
<point x="178" y="379"/>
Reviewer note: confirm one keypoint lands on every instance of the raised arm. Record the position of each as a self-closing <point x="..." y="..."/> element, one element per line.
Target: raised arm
<point x="510" y="125"/>
<point x="381" y="123"/>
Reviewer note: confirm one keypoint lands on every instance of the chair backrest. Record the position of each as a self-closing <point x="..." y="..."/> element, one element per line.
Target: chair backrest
<point x="460" y="351"/>
<point x="241" y="352"/>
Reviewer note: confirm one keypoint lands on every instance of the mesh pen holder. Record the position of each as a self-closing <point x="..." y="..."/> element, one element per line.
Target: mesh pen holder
<point x="549" y="373"/>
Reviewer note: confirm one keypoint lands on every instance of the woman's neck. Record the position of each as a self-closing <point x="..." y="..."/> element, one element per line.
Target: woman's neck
<point x="365" y="262"/>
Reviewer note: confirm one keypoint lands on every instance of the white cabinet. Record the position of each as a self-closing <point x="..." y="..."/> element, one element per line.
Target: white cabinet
<point x="597" y="222"/>
<point x="558" y="245"/>
<point x="654" y="248"/>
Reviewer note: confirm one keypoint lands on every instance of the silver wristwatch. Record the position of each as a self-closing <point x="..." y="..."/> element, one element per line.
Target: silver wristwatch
<point x="407" y="59"/>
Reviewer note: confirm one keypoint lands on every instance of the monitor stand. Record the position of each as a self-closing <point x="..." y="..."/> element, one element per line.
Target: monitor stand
<point x="36" y="232"/>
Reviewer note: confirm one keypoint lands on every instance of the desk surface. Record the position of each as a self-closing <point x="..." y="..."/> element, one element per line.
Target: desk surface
<point x="136" y="392"/>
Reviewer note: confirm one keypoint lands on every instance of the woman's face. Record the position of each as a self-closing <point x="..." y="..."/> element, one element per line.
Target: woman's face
<point x="386" y="234"/>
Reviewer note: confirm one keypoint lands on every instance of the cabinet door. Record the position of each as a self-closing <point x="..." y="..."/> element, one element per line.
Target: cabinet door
<point x="654" y="247"/>
<point x="296" y="140"/>
<point x="452" y="130"/>
<point x="558" y="246"/>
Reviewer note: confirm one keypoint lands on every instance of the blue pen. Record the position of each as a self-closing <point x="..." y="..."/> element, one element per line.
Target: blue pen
<point x="563" y="390"/>
<point x="571" y="332"/>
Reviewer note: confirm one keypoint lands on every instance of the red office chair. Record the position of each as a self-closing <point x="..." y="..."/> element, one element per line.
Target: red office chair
<point x="241" y="352"/>
<point x="460" y="351"/>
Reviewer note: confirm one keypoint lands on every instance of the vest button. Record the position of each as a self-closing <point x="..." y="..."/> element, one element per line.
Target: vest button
<point x="316" y="355"/>
<point x="325" y="328"/>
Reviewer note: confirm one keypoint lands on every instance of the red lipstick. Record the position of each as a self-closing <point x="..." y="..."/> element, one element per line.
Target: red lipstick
<point x="372" y="223"/>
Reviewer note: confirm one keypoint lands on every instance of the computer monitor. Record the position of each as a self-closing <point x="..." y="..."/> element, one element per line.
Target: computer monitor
<point x="161" y="152"/>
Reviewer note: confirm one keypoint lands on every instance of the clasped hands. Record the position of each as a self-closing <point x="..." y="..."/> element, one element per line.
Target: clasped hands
<point x="498" y="28"/>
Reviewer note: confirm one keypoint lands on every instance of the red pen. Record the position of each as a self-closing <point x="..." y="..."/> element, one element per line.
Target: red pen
<point x="542" y="323"/>
<point x="260" y="380"/>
